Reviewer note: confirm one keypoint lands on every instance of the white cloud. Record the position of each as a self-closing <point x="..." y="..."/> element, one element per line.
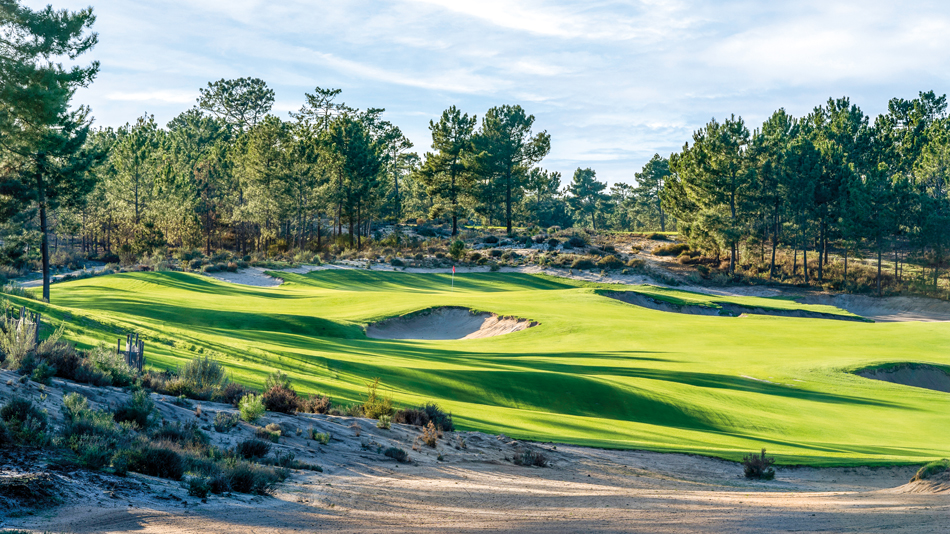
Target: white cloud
<point x="172" y="97"/>
<point x="613" y="81"/>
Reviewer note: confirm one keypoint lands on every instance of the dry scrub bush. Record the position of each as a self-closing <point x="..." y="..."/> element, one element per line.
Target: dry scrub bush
<point x="280" y="399"/>
<point x="758" y="466"/>
<point x="431" y="435"/>
<point x="422" y="415"/>
<point x="528" y="458"/>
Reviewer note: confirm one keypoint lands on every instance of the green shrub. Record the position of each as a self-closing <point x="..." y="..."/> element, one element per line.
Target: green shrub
<point x="609" y="262"/>
<point x="758" y="466"/>
<point x="188" y="434"/>
<point x="42" y="373"/>
<point x="673" y="249"/>
<point x="384" y="422"/>
<point x="251" y="408"/>
<point x="396" y="262"/>
<point x="252" y="448"/>
<point x="322" y="438"/>
<point x="397" y="454"/>
<point x="138" y="410"/>
<point x="576" y="241"/>
<point x="26" y="423"/>
<point x="270" y="432"/>
<point x="110" y="362"/>
<point x="199" y="487"/>
<point x="655" y="236"/>
<point x="253" y="479"/>
<point x="375" y="404"/>
<point x="203" y="375"/>
<point x="15" y="343"/>
<point x="224" y="422"/>
<point x="277" y="379"/>
<point x="582" y="263"/>
<point x="6" y="439"/>
<point x="158" y="461"/>
<point x="456" y="249"/>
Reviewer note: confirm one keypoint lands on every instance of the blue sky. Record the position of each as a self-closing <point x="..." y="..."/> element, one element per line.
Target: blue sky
<point x="613" y="82"/>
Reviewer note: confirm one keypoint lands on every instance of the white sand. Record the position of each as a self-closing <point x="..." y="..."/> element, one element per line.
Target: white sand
<point x="918" y="376"/>
<point x="447" y="323"/>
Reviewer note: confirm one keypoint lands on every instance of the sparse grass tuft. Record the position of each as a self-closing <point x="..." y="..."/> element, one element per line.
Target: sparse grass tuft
<point x="932" y="469"/>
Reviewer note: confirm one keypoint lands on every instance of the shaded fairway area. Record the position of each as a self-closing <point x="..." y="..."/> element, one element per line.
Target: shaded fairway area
<point x="595" y="371"/>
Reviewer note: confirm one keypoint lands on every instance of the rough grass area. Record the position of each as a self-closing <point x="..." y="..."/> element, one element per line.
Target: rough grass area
<point x="595" y="372"/>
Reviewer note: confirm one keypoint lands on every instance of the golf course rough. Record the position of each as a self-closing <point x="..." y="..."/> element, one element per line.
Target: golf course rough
<point x="595" y="371"/>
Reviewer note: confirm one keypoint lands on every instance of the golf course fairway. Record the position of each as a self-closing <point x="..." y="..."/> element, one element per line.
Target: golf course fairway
<point x="594" y="371"/>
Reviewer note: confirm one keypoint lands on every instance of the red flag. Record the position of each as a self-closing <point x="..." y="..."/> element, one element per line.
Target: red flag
<point x="453" y="269"/>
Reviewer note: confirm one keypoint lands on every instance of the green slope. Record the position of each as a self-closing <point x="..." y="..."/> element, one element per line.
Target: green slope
<point x="596" y="371"/>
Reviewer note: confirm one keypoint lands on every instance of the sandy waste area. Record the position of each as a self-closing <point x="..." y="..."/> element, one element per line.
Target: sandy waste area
<point x="467" y="483"/>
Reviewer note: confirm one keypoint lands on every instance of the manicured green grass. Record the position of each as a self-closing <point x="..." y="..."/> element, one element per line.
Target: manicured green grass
<point x="596" y="371"/>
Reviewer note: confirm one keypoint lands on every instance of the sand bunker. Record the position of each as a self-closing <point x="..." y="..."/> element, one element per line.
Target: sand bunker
<point x="911" y="374"/>
<point x="726" y="309"/>
<point x="447" y="323"/>
<point x="887" y="309"/>
<point x="638" y="299"/>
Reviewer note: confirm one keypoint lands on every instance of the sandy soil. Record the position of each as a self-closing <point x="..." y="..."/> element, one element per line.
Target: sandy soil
<point x="447" y="323"/>
<point x="467" y="483"/>
<point x="918" y="376"/>
<point x="886" y="309"/>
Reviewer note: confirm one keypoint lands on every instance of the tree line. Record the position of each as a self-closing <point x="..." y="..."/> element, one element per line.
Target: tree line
<point x="831" y="182"/>
<point x="229" y="174"/>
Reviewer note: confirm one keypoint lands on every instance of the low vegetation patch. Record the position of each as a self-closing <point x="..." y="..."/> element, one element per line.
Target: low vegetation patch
<point x="932" y="469"/>
<point x="397" y="454"/>
<point x="425" y="414"/>
<point x="530" y="458"/>
<point x="758" y="466"/>
<point x="673" y="249"/>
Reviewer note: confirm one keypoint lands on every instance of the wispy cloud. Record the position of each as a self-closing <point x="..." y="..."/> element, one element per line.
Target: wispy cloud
<point x="613" y="81"/>
<point x="171" y="97"/>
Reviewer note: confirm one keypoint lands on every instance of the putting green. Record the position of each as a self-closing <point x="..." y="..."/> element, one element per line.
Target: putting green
<point x="596" y="371"/>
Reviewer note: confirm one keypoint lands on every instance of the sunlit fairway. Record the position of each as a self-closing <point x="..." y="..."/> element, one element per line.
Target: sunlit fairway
<point x="596" y="371"/>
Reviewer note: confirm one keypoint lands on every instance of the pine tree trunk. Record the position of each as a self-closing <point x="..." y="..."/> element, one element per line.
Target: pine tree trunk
<point x="880" y="255"/>
<point x="508" y="202"/>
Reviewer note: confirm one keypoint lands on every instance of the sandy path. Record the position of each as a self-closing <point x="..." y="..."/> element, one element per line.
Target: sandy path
<point x="606" y="492"/>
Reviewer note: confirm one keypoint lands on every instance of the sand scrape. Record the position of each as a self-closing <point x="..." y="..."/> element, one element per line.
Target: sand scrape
<point x="447" y="323"/>
<point x="915" y="375"/>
